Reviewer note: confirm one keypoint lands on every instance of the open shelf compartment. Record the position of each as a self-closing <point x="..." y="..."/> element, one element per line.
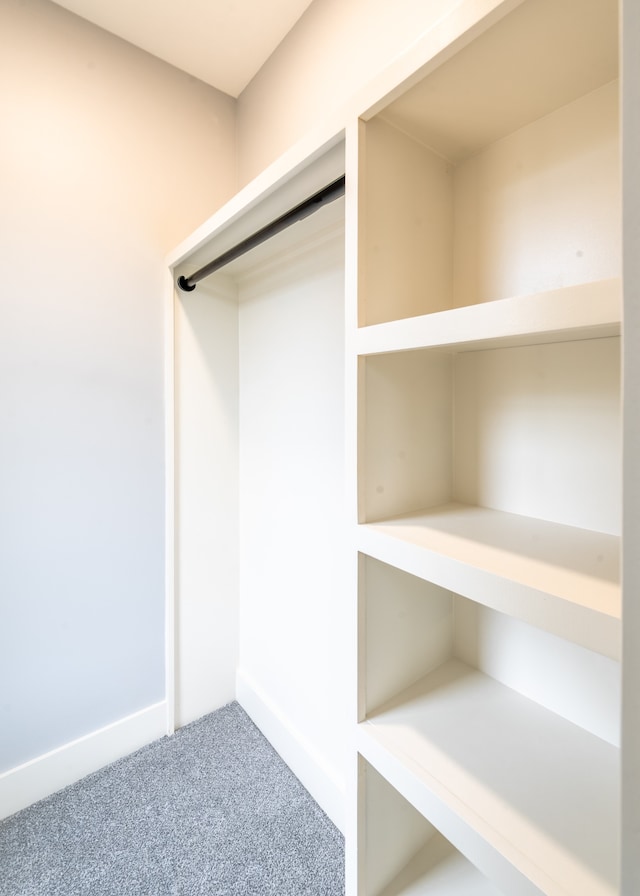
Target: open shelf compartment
<point x="496" y="473"/>
<point x="497" y="176"/>
<point x="503" y="736"/>
<point x="406" y="855"/>
<point x="489" y="451"/>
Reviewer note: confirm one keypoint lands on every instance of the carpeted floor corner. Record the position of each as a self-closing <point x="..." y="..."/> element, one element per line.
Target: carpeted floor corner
<point x="211" y="811"/>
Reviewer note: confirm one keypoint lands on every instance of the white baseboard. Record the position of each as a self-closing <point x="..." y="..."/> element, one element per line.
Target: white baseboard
<point x="44" y="775"/>
<point x="301" y="757"/>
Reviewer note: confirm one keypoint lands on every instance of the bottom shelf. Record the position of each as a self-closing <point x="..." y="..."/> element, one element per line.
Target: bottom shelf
<point x="486" y="765"/>
<point x="438" y="869"/>
<point x="402" y="854"/>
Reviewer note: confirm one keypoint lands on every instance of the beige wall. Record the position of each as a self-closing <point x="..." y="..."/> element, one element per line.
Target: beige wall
<point x="108" y="158"/>
<point x="334" y="50"/>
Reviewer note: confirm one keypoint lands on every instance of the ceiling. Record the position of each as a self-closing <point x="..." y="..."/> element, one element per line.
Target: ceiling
<point x="222" y="42"/>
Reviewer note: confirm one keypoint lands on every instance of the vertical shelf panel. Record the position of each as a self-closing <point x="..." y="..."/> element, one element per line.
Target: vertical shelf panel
<point x="407" y="421"/>
<point x="409" y="234"/>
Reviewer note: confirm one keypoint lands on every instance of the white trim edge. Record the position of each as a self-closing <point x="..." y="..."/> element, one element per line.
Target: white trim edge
<point x="169" y="503"/>
<point x="300" y="755"/>
<point x="40" y="777"/>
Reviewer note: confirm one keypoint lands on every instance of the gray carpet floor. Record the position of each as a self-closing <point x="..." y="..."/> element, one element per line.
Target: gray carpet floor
<point x="212" y="810"/>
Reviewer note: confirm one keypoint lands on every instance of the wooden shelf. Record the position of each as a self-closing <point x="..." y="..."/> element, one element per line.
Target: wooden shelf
<point x="439" y="868"/>
<point x="560" y="578"/>
<point x="481" y="761"/>
<point x="488" y="436"/>
<point x="587" y="311"/>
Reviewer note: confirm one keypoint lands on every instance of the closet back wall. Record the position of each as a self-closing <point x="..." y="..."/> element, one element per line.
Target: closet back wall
<point x="108" y="157"/>
<point x="293" y="556"/>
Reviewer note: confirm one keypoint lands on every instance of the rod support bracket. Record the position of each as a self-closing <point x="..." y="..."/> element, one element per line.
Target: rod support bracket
<point x="185" y="286"/>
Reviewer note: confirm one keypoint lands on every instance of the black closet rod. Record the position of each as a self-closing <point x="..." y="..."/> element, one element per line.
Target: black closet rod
<point x="303" y="210"/>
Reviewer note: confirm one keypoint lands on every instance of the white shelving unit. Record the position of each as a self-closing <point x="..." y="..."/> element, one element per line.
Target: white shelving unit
<point x="484" y="309"/>
<point x="489" y="471"/>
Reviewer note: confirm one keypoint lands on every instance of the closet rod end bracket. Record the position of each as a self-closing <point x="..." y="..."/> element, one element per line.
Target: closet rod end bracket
<point x="185" y="286"/>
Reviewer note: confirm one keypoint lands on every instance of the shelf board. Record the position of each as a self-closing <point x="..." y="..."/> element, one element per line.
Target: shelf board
<point x="512" y="785"/>
<point x="439" y="868"/>
<point x="562" y="579"/>
<point x="586" y="311"/>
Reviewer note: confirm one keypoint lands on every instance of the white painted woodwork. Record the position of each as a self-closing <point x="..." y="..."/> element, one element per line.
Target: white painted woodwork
<point x="409" y="857"/>
<point x="300" y="173"/>
<point x="585" y="311"/>
<point x="533" y="430"/>
<point x="206" y="501"/>
<point x="38" y="778"/>
<point x="306" y="757"/>
<point x="438" y="726"/>
<point x="291" y="324"/>
<point x="537" y="432"/>
<point x="483" y="437"/>
<point x="411" y="626"/>
<point x="439" y="868"/>
<point x="539" y="209"/>
<point x="560" y="578"/>
<point x="630" y="782"/>
<point x="539" y="790"/>
<point x="260" y="435"/>
<point x="489" y="456"/>
<point x="467" y="102"/>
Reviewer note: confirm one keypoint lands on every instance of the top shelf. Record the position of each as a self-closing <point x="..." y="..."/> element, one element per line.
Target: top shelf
<point x="497" y="175"/>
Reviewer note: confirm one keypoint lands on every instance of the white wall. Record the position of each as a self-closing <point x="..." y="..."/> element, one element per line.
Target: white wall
<point x="294" y="594"/>
<point x="108" y="158"/>
<point x="334" y="49"/>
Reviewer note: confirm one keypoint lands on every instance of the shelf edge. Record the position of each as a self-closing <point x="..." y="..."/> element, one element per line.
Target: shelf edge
<point x="568" y="619"/>
<point x="585" y="311"/>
